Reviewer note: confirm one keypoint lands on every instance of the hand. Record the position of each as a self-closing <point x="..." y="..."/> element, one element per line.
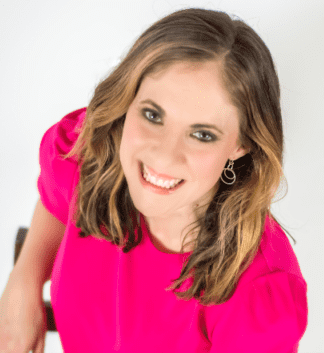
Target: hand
<point x="22" y="318"/>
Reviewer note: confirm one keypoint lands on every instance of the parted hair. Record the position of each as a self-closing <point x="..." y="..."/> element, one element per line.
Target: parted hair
<point x="229" y="232"/>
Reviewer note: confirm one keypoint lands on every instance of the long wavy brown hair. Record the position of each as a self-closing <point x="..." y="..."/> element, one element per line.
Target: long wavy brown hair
<point x="229" y="232"/>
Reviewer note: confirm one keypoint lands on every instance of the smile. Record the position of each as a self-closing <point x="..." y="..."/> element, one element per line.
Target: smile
<point x="158" y="181"/>
<point x="157" y="185"/>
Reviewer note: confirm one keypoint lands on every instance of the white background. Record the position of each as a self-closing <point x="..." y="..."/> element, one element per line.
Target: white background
<point x="52" y="55"/>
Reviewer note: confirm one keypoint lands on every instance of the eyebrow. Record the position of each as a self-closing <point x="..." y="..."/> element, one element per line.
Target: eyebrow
<point x="194" y="126"/>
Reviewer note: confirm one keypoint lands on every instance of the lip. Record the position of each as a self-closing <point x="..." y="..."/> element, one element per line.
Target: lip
<point x="156" y="189"/>
<point x="157" y="175"/>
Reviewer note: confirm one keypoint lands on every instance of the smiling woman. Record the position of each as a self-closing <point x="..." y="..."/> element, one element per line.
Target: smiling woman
<point x="171" y="145"/>
<point x="196" y="99"/>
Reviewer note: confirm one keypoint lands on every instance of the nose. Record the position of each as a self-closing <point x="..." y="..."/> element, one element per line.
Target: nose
<point x="168" y="155"/>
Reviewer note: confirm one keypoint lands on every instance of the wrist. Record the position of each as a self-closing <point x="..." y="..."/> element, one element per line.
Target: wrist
<point x="22" y="278"/>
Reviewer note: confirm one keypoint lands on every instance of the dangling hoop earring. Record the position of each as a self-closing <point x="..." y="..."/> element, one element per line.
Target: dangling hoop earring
<point x="229" y="168"/>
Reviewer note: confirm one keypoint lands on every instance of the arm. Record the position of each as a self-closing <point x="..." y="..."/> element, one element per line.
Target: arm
<point x="36" y="259"/>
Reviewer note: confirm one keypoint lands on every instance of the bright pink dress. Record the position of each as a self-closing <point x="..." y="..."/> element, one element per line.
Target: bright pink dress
<point x="107" y="301"/>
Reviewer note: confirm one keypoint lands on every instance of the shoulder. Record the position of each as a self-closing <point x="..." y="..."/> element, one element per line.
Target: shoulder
<point x="271" y="311"/>
<point x="73" y="121"/>
<point x="57" y="174"/>
<point x="277" y="251"/>
<point x="275" y="254"/>
<point x="270" y="299"/>
<point x="60" y="137"/>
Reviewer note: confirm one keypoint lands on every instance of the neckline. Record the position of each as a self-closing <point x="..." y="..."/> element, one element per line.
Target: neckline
<point x="148" y="237"/>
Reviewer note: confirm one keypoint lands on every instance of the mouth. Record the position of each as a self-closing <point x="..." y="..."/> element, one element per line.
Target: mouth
<point x="155" y="188"/>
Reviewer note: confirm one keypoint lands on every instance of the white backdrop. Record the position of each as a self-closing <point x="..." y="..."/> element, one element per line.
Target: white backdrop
<point x="54" y="53"/>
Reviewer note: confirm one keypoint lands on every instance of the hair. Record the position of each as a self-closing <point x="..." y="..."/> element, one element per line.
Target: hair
<point x="230" y="230"/>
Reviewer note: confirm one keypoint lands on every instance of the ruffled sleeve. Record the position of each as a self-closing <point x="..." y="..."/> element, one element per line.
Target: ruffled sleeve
<point x="56" y="174"/>
<point x="267" y="315"/>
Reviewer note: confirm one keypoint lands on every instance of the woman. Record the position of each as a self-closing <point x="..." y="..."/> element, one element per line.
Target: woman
<point x="193" y="108"/>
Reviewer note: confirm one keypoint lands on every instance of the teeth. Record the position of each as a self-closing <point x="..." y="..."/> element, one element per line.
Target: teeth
<point x="159" y="182"/>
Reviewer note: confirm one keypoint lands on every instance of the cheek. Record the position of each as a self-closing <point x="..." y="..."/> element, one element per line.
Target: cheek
<point x="133" y="139"/>
<point x="133" y="133"/>
<point x="209" y="167"/>
<point x="129" y="135"/>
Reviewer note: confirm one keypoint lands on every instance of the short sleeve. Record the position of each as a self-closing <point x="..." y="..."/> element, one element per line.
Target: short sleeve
<point x="268" y="315"/>
<point x="56" y="173"/>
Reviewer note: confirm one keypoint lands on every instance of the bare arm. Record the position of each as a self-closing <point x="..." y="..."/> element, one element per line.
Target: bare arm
<point x="36" y="259"/>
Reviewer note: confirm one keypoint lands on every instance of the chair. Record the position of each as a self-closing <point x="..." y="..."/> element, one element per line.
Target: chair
<point x="20" y="238"/>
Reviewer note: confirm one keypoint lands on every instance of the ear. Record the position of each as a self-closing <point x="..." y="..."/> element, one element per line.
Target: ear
<point x="239" y="152"/>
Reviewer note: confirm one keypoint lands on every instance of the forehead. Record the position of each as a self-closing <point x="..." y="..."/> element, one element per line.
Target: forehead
<point x="205" y="78"/>
<point x="189" y="70"/>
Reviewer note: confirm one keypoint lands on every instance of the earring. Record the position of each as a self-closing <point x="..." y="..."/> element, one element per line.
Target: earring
<point x="229" y="168"/>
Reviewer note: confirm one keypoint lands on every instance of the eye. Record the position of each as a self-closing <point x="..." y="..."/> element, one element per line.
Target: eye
<point x="211" y="138"/>
<point x="206" y="133"/>
<point x="146" y="115"/>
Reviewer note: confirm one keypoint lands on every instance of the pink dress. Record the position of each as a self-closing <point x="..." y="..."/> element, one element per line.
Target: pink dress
<point x="108" y="301"/>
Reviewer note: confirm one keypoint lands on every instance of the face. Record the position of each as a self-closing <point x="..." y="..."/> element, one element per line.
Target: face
<point x="164" y="140"/>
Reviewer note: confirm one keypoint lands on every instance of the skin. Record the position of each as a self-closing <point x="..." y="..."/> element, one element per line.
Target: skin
<point x="189" y="94"/>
